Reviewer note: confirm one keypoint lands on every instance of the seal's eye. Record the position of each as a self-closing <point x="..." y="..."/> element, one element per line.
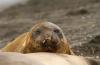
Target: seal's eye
<point x="58" y="33"/>
<point x="38" y="31"/>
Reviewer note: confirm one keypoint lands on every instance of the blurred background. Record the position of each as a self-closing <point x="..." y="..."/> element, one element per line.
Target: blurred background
<point x="79" y="20"/>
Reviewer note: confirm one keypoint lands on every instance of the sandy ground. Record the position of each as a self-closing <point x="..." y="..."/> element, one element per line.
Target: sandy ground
<point x="79" y="19"/>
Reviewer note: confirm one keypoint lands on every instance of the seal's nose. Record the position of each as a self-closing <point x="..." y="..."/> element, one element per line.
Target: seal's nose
<point x="48" y="35"/>
<point x="51" y="39"/>
<point x="50" y="42"/>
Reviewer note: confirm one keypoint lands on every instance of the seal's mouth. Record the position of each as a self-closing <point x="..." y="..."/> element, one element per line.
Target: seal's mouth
<point x="49" y="45"/>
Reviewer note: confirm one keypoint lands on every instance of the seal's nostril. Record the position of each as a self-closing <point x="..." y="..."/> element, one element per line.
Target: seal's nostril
<point x="48" y="37"/>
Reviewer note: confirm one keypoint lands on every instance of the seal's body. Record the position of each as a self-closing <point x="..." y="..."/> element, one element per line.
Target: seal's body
<point x="7" y="58"/>
<point x="43" y="37"/>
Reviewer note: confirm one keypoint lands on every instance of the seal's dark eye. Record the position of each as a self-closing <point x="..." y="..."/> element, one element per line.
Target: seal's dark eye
<point x="56" y="31"/>
<point x="38" y="31"/>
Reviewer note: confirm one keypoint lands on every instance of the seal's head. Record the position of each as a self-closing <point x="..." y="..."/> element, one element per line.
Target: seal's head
<point x="43" y="37"/>
<point x="47" y="37"/>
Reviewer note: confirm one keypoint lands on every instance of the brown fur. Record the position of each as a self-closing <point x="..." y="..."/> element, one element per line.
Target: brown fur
<point x="43" y="37"/>
<point x="7" y="58"/>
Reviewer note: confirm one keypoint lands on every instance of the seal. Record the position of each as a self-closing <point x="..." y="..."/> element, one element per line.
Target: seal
<point x="43" y="37"/>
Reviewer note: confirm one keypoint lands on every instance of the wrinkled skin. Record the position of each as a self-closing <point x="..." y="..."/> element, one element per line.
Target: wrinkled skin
<point x="7" y="58"/>
<point x="43" y="37"/>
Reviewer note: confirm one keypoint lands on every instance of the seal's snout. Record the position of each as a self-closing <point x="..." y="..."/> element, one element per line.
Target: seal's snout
<point x="52" y="38"/>
<point x="46" y="43"/>
<point x="50" y="43"/>
<point x="51" y="35"/>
